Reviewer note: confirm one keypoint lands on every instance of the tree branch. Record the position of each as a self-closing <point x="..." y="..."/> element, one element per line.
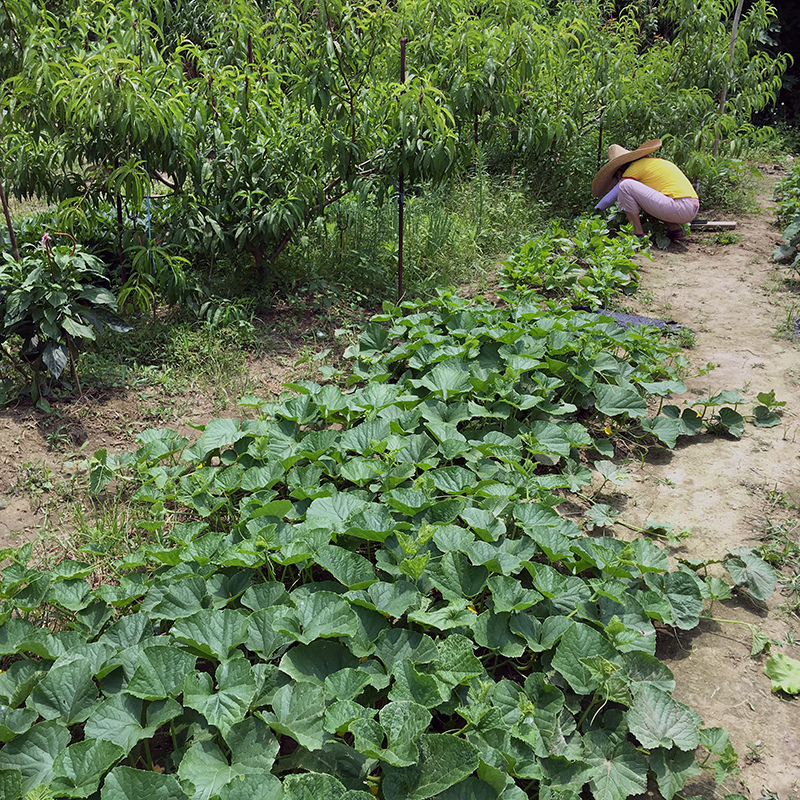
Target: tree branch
<point x="162" y="179"/>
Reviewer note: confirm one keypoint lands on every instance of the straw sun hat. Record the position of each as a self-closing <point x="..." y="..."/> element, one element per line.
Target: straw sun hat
<point x="617" y="157"/>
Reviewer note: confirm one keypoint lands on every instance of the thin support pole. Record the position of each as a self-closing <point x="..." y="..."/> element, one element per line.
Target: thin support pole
<point x="401" y="185"/>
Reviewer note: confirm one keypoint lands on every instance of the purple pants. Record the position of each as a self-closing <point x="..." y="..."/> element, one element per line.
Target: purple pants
<point x="635" y="196"/>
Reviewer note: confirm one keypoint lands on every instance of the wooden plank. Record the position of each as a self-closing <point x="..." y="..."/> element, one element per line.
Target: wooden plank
<point x="711" y="225"/>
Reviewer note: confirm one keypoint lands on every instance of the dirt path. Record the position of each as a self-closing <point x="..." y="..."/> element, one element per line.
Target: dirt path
<point x="720" y="488"/>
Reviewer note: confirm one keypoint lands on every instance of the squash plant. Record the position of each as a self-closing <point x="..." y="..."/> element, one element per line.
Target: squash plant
<point x="52" y="302"/>
<point x="368" y="591"/>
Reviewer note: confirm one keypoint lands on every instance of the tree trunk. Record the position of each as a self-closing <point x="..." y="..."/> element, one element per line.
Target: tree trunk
<point x="11" y="235"/>
<point x="724" y="94"/>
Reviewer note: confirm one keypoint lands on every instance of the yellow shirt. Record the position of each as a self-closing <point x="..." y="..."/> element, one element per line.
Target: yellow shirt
<point x="661" y="175"/>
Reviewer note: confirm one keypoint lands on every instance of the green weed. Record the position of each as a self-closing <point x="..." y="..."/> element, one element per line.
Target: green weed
<point x="687" y="338"/>
<point x="727" y="237"/>
<point x="105" y="530"/>
<point x="350" y="253"/>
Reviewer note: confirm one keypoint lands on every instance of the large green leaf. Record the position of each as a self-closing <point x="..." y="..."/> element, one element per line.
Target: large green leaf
<point x="401" y="722"/>
<point x="393" y="599"/>
<point x="547" y="439"/>
<point x="67" y="692"/>
<point x="446" y="379"/>
<point x="444" y="760"/>
<point x="473" y="788"/>
<point x="683" y="594"/>
<point x="417" y="686"/>
<point x="253" y="745"/>
<point x="484" y="523"/>
<point x="128" y="631"/>
<point x="228" y="704"/>
<point x="314" y="662"/>
<point x="262" y="638"/>
<point x="618" y="768"/>
<point x="213" y="632"/>
<point x="509" y="595"/>
<point x="298" y="710"/>
<point x="126" y="783"/>
<point x="457" y="662"/>
<point x="752" y="573"/>
<point x="398" y="644"/>
<point x="14" y="721"/>
<point x="658" y="720"/>
<point x="349" y="568"/>
<point x="672" y="769"/>
<point x="338" y="508"/>
<point x="316" y="615"/>
<point x="493" y="632"/>
<point x="119" y="719"/>
<point x="217" y="435"/>
<point x="160" y="672"/>
<point x="175" y="599"/>
<point x="204" y="771"/>
<point x="318" y="786"/>
<point x="456" y="578"/>
<point x="34" y="753"/>
<point x="259" y="786"/>
<point x="452" y="480"/>
<point x="784" y="672"/>
<point x="10" y="784"/>
<point x="578" y="642"/>
<point x="617" y="400"/>
<point x="79" y="768"/>
<point x="363" y="437"/>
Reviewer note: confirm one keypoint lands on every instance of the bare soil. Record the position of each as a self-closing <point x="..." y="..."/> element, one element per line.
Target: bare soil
<point x="735" y="300"/>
